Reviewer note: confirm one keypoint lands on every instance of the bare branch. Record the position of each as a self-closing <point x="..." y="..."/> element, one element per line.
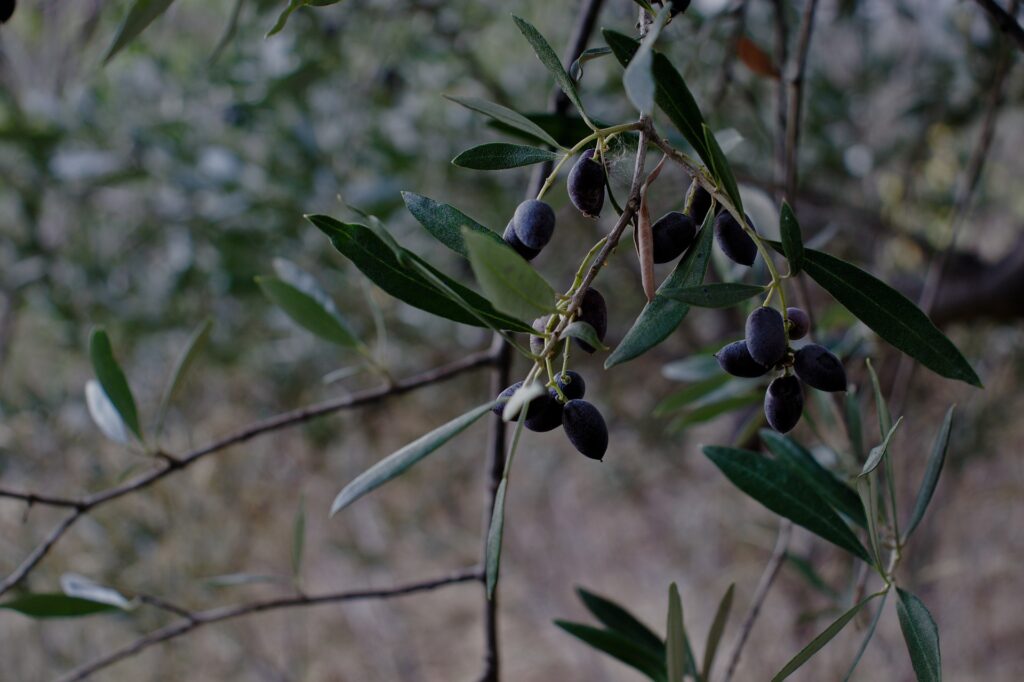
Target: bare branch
<point x="771" y="571"/>
<point x="193" y="620"/>
<point x="1006" y="21"/>
<point x="276" y="423"/>
<point x="793" y="109"/>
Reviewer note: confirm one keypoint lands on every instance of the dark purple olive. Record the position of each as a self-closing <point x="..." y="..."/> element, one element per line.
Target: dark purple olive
<point x="671" y="234"/>
<point x="536" y="405"/>
<point x="585" y="428"/>
<point x="534" y="223"/>
<point x="736" y="360"/>
<point x="549" y="417"/>
<point x="733" y="241"/>
<point x="586" y="185"/>
<point x="593" y="311"/>
<point x="6" y="10"/>
<point x="572" y="385"/>
<point x="512" y="240"/>
<point x="783" y="403"/>
<point x="700" y="203"/>
<point x="819" y="368"/>
<point x="799" y="323"/>
<point x="766" y="336"/>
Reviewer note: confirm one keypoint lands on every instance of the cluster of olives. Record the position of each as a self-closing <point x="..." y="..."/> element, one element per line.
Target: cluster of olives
<point x="583" y="423"/>
<point x="766" y="348"/>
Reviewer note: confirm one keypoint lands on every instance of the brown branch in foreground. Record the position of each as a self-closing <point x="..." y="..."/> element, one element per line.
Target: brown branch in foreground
<point x="192" y="620"/>
<point x="172" y="464"/>
<point x="771" y="571"/>
<point x="1006" y="21"/>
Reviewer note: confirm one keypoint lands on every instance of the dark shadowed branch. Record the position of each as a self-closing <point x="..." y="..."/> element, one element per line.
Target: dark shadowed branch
<point x="1006" y="21"/>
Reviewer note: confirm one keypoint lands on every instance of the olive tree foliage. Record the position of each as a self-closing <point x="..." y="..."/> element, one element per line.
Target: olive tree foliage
<point x="215" y="214"/>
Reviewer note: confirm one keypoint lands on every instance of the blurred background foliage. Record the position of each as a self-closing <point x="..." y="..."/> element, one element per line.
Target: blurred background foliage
<point x="147" y="194"/>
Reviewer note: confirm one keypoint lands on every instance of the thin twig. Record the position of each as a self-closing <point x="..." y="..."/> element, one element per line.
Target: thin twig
<point x="967" y="186"/>
<point x="501" y="373"/>
<point x="771" y="570"/>
<point x="1006" y="21"/>
<point x="795" y="104"/>
<point x="194" y="620"/>
<point x="276" y="423"/>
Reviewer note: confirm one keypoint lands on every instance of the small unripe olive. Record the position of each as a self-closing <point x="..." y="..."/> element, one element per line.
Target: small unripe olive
<point x="549" y="417"/>
<point x="585" y="428"/>
<point x="572" y="385"/>
<point x="534" y="223"/>
<point x="819" y="368"/>
<point x="671" y="234"/>
<point x="593" y="311"/>
<point x="735" y="359"/>
<point x="766" y="336"/>
<point x="586" y="185"/>
<point x="783" y="403"/>
<point x="733" y="241"/>
<point x="509" y="235"/>
<point x="799" y="323"/>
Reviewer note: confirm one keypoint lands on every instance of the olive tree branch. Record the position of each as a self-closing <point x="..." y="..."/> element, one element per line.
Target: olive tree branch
<point x="1005" y="20"/>
<point x="192" y="620"/>
<point x="171" y="464"/>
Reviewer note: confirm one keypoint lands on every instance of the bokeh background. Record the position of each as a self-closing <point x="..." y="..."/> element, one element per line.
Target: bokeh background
<point x="145" y="195"/>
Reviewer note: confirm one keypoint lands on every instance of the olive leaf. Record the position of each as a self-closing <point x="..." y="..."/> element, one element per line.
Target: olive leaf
<point x="931" y="474"/>
<point x="619" y="620"/>
<point x="293" y="5"/>
<point x="140" y="15"/>
<point x="619" y="647"/>
<point x="505" y="116"/>
<point x="585" y="333"/>
<point x="717" y="629"/>
<point x="551" y="61"/>
<point x="310" y="308"/>
<point x="637" y="78"/>
<point x="55" y="605"/>
<point x="792" y="241"/>
<point x="112" y="379"/>
<point x="576" y="68"/>
<point x="675" y="639"/>
<point x="879" y="451"/>
<point x="783" y="491"/>
<point x="660" y="317"/>
<point x="501" y="155"/>
<point x="512" y="285"/>
<point x="921" y="635"/>
<point x="398" y="462"/>
<point x="445" y="223"/>
<point x="193" y="346"/>
<point x="719" y="295"/>
<point x="722" y="171"/>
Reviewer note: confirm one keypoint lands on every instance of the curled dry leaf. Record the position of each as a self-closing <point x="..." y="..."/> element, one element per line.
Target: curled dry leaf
<point x="644" y="238"/>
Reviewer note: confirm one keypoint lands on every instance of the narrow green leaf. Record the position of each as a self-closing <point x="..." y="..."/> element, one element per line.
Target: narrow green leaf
<point x="298" y="538"/>
<point x="576" y="68"/>
<point x="867" y="488"/>
<point x="837" y="494"/>
<point x="586" y="333"/>
<point x="792" y="241"/>
<point x="637" y="78"/>
<point x="401" y="460"/>
<point x="506" y="116"/>
<point x="717" y="629"/>
<point x="921" y="635"/>
<point x="878" y="452"/>
<point x="854" y="425"/>
<point x="784" y="492"/>
<point x="104" y="414"/>
<point x="501" y="155"/>
<point x="671" y="93"/>
<point x="141" y="14"/>
<point x="551" y="61"/>
<point x="56" y="605"/>
<point x="379" y="262"/>
<point x="722" y="171"/>
<point x="720" y="295"/>
<point x="496" y="528"/>
<point x="931" y="474"/>
<point x="193" y="346"/>
<point x="293" y="5"/>
<point x="684" y="397"/>
<point x="889" y="314"/>
<point x="511" y="284"/>
<point x="74" y="585"/>
<point x="867" y="637"/>
<point x="112" y="379"/>
<point x="566" y="129"/>
<point x="621" y="621"/>
<point x="618" y="647"/>
<point x="660" y="317"/>
<point x="821" y="640"/>
<point x="884" y="418"/>
<point x="313" y="314"/>
<point x="675" y="640"/>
